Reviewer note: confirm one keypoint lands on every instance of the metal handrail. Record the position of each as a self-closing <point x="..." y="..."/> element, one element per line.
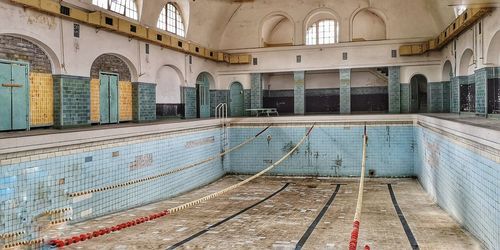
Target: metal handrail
<point x="221" y="114"/>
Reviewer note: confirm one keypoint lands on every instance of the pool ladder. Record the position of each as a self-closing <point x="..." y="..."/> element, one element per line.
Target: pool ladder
<point x="221" y="114"/>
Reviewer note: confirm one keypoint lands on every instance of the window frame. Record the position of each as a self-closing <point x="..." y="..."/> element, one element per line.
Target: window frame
<point x="316" y="26"/>
<point x="178" y="18"/>
<point x="108" y="8"/>
<point x="459" y="10"/>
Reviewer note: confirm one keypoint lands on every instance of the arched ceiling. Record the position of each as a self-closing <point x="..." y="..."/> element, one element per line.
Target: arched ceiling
<point x="205" y="19"/>
<point x="210" y="21"/>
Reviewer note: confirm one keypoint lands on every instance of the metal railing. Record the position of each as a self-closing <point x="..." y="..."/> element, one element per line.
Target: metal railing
<point x="221" y="114"/>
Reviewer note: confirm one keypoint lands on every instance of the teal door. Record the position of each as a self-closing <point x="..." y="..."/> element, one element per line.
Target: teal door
<point x="5" y="97"/>
<point x="108" y="101"/>
<point x="203" y="96"/>
<point x="236" y="99"/>
<point x="13" y="96"/>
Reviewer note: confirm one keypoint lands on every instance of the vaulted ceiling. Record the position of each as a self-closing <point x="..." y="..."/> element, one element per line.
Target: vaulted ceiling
<point x="209" y="21"/>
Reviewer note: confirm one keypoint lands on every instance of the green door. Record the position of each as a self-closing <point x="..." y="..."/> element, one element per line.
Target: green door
<point x="13" y="96"/>
<point x="5" y="97"/>
<point x="19" y="97"/>
<point x="104" y="98"/>
<point x="236" y="99"/>
<point x="113" y="99"/>
<point x="203" y="96"/>
<point x="108" y="98"/>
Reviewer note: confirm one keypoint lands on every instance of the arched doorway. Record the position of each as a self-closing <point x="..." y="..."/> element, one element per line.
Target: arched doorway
<point x="203" y="95"/>
<point x="494" y="83"/>
<point x="446" y="76"/>
<point x="236" y="99"/>
<point x="26" y="84"/>
<point x="467" y="65"/>
<point x="447" y="72"/>
<point x="418" y="94"/>
<point x="169" y="81"/>
<point x="467" y="90"/>
<point x="110" y="90"/>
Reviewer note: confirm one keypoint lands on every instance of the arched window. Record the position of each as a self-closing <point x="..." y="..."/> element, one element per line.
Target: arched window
<point x="322" y="32"/>
<point x="171" y="20"/>
<point x="127" y="8"/>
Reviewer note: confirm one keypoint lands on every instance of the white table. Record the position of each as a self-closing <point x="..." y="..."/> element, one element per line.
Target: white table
<point x="266" y="111"/>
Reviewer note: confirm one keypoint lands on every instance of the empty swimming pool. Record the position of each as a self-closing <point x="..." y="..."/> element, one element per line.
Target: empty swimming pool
<point x="431" y="185"/>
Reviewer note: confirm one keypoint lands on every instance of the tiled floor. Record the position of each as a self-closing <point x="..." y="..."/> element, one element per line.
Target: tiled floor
<point x="280" y="221"/>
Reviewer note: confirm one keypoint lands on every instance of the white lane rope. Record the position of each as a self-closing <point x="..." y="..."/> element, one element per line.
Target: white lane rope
<point x="225" y="190"/>
<point x="359" y="204"/>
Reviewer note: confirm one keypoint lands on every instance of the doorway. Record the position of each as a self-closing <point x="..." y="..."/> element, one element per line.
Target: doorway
<point x="418" y="94"/>
<point x="494" y="96"/>
<point x="108" y="98"/>
<point x="14" y="96"/>
<point x="236" y="100"/>
<point x="203" y="96"/>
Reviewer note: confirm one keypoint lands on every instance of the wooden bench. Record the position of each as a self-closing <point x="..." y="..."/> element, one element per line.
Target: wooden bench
<point x="266" y="111"/>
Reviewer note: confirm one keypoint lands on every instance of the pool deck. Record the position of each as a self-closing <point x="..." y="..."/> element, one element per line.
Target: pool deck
<point x="485" y="131"/>
<point x="281" y="221"/>
<point x="489" y="123"/>
<point x="493" y="124"/>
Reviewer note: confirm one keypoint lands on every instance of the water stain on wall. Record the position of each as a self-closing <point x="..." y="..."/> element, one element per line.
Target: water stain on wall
<point x="432" y="154"/>
<point x="337" y="165"/>
<point x="141" y="161"/>
<point x="388" y="135"/>
<point x="35" y="18"/>
<point x="289" y="147"/>
<point x="199" y="142"/>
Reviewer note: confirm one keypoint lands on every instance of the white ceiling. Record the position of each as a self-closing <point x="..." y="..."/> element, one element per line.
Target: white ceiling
<point x="208" y="19"/>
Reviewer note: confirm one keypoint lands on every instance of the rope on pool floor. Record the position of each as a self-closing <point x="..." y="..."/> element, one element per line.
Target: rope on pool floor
<point x="173" y="171"/>
<point x="353" y="243"/>
<point x="90" y="235"/>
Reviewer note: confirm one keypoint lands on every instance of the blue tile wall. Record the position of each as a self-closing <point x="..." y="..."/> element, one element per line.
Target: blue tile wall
<point x="247" y="97"/>
<point x="405" y="98"/>
<point x="455" y="95"/>
<point x="71" y="101"/>
<point x="481" y="80"/>
<point x="435" y="96"/>
<point x="394" y="90"/>
<point x="345" y="91"/>
<point x="256" y="90"/>
<point x="329" y="151"/>
<point x="29" y="188"/>
<point x="143" y="101"/>
<point x="299" y="93"/>
<point x="464" y="183"/>
<point x="216" y="97"/>
<point x="446" y="96"/>
<point x="189" y="95"/>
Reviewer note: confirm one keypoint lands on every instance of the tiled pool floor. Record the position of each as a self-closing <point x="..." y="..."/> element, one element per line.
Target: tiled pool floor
<point x="282" y="220"/>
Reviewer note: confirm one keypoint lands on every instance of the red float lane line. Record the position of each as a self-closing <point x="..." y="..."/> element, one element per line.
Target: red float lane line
<point x="83" y="237"/>
<point x="354" y="235"/>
